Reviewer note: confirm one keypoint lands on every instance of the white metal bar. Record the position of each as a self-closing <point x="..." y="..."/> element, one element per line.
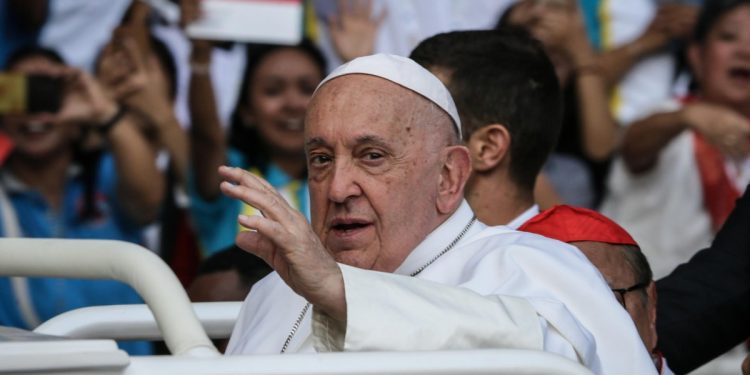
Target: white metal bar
<point x="116" y="260"/>
<point x="136" y="322"/>
<point x="469" y="362"/>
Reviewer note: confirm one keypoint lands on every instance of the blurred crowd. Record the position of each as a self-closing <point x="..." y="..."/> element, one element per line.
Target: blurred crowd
<point x="136" y="117"/>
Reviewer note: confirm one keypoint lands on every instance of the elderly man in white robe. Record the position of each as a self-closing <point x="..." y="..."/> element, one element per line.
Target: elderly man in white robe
<point x="394" y="258"/>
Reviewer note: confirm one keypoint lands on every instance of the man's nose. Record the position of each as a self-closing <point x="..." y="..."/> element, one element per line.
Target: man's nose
<point x="343" y="183"/>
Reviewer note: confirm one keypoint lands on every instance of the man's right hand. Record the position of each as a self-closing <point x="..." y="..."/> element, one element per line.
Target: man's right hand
<point x="283" y="238"/>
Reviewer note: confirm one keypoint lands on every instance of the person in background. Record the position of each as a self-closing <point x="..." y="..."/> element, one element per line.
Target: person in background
<point x="689" y="157"/>
<point x="347" y="29"/>
<point x="140" y="72"/>
<point x="54" y="186"/>
<point x="488" y="73"/>
<point x="265" y="137"/>
<point x="617" y="256"/>
<point x="588" y="137"/>
<point x="227" y="276"/>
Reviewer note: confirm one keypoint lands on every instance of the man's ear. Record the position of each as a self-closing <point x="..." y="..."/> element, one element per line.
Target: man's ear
<point x="453" y="176"/>
<point x="488" y="146"/>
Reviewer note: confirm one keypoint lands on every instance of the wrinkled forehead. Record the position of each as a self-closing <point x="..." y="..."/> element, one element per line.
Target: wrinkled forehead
<point x="368" y="102"/>
<point x="361" y="86"/>
<point x="403" y="72"/>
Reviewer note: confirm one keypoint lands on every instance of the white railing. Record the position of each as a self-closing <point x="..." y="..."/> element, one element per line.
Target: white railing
<point x="469" y="362"/>
<point x="115" y="260"/>
<point x="136" y="322"/>
<point x="174" y="317"/>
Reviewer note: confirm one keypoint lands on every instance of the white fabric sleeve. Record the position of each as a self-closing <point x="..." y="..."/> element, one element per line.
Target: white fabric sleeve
<point x="397" y="313"/>
<point x="554" y="342"/>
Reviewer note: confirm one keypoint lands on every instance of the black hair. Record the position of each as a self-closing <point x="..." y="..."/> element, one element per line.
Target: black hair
<point x="504" y="20"/>
<point x="710" y="14"/>
<point x="88" y="160"/>
<point x="638" y="264"/>
<point x="501" y="77"/>
<point x="25" y="52"/>
<point x="248" y="266"/>
<point x="167" y="62"/>
<point x="244" y="138"/>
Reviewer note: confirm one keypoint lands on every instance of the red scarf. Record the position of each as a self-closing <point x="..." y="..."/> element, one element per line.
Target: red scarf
<point x="719" y="192"/>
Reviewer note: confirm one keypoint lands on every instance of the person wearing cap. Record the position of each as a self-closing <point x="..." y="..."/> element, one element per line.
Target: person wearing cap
<point x="616" y="255"/>
<point x="394" y="258"/>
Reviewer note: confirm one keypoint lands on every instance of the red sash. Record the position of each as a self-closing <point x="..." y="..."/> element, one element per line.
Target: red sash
<point x="719" y="192"/>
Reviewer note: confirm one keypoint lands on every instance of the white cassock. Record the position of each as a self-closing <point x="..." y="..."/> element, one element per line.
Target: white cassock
<point x="497" y="288"/>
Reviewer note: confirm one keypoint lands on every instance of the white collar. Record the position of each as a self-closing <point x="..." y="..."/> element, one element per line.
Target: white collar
<point x="12" y="184"/>
<point x="524" y="217"/>
<point x="438" y="239"/>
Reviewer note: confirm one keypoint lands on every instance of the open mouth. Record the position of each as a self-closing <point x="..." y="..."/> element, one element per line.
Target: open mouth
<point x="295" y="125"/>
<point x="741" y="74"/>
<point x="348" y="226"/>
<point x="35" y="128"/>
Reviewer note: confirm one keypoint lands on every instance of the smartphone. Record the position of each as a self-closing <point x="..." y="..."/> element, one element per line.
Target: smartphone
<point x="25" y="94"/>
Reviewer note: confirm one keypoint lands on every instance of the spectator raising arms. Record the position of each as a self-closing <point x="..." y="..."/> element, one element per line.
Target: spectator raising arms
<point x="265" y="137"/>
<point x="589" y="133"/>
<point x="683" y="167"/>
<point x="58" y="187"/>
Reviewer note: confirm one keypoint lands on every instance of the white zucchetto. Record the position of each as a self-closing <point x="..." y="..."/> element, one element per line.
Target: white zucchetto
<point x="404" y="72"/>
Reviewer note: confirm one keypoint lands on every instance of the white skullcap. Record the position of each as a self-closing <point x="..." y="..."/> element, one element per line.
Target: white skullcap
<point x="404" y="72"/>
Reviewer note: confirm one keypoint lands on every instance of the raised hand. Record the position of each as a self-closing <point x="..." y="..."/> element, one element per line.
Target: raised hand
<point x="133" y="78"/>
<point x="190" y="10"/>
<point x="724" y="128"/>
<point x="284" y="239"/>
<point x="84" y="100"/>
<point x="121" y="68"/>
<point x="674" y="21"/>
<point x="353" y="29"/>
<point x="576" y="43"/>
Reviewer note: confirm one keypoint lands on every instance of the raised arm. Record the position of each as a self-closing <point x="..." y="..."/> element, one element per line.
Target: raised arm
<point x="353" y="29"/>
<point x="140" y="185"/>
<point x="132" y="75"/>
<point x="645" y="139"/>
<point x="207" y="139"/>
<point x="208" y="147"/>
<point x="672" y="22"/>
<point x="599" y="132"/>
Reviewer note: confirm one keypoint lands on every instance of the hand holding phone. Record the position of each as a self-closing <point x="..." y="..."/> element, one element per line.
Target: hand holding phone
<point x="84" y="100"/>
<point x="30" y="94"/>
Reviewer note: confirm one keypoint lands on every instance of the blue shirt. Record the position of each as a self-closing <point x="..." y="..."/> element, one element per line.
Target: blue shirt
<point x="36" y="219"/>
